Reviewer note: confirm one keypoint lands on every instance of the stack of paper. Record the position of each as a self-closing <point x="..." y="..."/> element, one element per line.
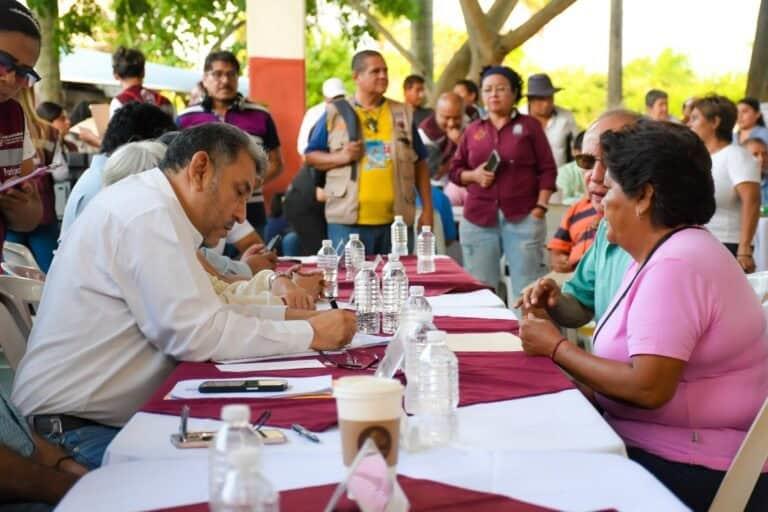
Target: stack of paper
<point x="484" y="342"/>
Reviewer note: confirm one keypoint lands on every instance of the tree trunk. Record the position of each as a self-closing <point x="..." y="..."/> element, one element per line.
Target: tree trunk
<point x="49" y="88"/>
<point x="422" y="40"/>
<point x="757" y="79"/>
<point x="615" y="95"/>
<point x="458" y="66"/>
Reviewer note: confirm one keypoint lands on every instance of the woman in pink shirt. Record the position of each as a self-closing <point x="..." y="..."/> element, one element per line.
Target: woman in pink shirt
<point x="680" y="363"/>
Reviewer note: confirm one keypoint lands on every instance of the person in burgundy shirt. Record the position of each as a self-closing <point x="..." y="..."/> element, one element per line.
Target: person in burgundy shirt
<point x="505" y="207"/>
<point x="128" y="67"/>
<point x="223" y="104"/>
<point x="20" y="207"/>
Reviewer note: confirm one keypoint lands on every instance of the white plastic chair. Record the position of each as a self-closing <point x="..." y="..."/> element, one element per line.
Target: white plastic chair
<point x="18" y="294"/>
<point x="739" y="481"/>
<point x="12" y="340"/>
<point x="13" y="269"/>
<point x="19" y="254"/>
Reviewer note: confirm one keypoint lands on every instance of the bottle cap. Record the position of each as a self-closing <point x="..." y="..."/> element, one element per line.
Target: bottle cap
<point x="327" y="242"/>
<point x="398" y="218"/>
<point x="354" y="236"/>
<point x="416" y="291"/>
<point x="426" y="229"/>
<point x="236" y="413"/>
<point x="393" y="256"/>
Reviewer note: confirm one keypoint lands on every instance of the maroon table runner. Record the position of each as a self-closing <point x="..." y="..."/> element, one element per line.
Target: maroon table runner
<point x="459" y="325"/>
<point x="424" y="495"/>
<point x="449" y="277"/>
<point x="483" y="377"/>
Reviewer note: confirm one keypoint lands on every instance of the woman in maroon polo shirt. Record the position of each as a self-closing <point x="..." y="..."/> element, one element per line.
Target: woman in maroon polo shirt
<point x="20" y="207"/>
<point x="507" y="207"/>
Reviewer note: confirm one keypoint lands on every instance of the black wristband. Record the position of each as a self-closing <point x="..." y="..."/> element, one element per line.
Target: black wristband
<point x="539" y="205"/>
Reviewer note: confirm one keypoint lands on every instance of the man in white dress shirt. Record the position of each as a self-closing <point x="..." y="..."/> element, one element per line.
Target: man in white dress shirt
<point x="126" y="297"/>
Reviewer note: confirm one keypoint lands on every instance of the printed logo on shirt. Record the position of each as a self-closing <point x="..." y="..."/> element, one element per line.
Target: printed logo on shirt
<point x="377" y="155"/>
<point x="517" y="129"/>
<point x="480" y="134"/>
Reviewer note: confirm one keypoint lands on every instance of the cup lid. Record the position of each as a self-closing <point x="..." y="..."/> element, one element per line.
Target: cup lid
<point x="362" y="386"/>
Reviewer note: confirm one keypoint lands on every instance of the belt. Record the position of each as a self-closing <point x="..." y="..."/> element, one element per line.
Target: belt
<point x="45" y="424"/>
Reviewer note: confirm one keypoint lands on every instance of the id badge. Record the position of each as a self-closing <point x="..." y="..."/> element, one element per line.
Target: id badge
<point x="376" y="155"/>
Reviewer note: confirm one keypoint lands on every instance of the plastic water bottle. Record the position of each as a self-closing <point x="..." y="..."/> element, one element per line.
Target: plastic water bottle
<point x="415" y="322"/>
<point x="235" y="479"/>
<point x="394" y="291"/>
<point x="438" y="391"/>
<point x="328" y="262"/>
<point x="354" y="255"/>
<point x="367" y="299"/>
<point x="425" y="251"/>
<point x="399" y="236"/>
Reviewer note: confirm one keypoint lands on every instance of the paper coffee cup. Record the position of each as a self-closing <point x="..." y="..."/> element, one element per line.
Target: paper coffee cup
<point x="369" y="406"/>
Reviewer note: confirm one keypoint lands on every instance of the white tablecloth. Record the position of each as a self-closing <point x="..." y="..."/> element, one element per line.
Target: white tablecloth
<point x="561" y="480"/>
<point x="558" y="421"/>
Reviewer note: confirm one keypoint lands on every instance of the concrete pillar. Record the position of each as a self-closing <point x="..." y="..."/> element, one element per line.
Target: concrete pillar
<point x="276" y="72"/>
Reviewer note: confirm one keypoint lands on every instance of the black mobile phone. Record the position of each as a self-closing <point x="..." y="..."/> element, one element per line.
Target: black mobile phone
<point x="273" y="243"/>
<point x="243" y="386"/>
<point x="493" y="162"/>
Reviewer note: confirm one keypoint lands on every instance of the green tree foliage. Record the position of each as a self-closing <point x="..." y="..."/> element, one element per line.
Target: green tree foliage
<point x="326" y="56"/>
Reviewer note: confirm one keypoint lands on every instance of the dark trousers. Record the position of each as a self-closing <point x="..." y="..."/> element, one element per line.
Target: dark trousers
<point x="694" y="485"/>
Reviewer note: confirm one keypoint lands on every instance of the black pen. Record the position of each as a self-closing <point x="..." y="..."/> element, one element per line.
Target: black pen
<point x="303" y="432"/>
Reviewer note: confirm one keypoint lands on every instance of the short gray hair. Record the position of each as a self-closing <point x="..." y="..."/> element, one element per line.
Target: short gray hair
<point x="222" y="142"/>
<point x="132" y="158"/>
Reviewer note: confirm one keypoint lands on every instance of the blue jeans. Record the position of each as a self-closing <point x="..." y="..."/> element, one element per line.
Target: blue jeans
<point x="375" y="238"/>
<point x="291" y="245"/>
<point x="86" y="444"/>
<point x="42" y="241"/>
<point x="523" y="245"/>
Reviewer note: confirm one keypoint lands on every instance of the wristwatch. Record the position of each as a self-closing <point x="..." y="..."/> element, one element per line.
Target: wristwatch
<point x="274" y="277"/>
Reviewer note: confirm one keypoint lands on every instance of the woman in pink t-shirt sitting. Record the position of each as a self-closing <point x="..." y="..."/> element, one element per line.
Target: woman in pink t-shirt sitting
<point x="680" y="363"/>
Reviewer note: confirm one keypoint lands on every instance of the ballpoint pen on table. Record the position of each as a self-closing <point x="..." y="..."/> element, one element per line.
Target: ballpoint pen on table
<point x="261" y="421"/>
<point x="303" y="432"/>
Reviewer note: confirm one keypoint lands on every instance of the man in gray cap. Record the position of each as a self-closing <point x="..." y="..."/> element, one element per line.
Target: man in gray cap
<point x="558" y="123"/>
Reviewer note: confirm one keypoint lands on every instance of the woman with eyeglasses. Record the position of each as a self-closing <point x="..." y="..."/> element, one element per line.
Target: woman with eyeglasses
<point x="736" y="175"/>
<point x="506" y="164"/>
<point x="680" y="360"/>
<point x="20" y="206"/>
<point x="750" y="122"/>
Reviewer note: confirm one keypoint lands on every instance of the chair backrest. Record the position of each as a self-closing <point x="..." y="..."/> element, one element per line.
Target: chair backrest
<point x="739" y="481"/>
<point x="13" y="269"/>
<point x="18" y="294"/>
<point x="12" y="340"/>
<point x="19" y="254"/>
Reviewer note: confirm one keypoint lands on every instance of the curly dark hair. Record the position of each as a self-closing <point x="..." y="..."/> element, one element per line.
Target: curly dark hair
<point x="512" y="76"/>
<point x="134" y="122"/>
<point x="670" y="158"/>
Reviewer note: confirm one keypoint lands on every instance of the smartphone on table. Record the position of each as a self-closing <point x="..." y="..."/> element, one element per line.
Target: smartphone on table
<point x="243" y="386"/>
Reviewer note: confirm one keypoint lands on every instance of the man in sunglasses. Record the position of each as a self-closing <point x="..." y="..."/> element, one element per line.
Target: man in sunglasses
<point x="599" y="273"/>
<point x="20" y="206"/>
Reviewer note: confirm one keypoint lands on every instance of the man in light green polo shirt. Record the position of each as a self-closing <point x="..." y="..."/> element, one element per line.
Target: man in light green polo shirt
<point x="599" y="273"/>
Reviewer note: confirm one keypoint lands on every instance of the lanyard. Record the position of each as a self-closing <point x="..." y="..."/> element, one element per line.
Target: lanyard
<point x="634" y="278"/>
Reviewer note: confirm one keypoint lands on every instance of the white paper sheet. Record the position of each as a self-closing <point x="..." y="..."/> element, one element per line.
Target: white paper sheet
<point x="300" y="364"/>
<point x="360" y="340"/>
<point x="484" y="342"/>
<point x="187" y="389"/>
<point x="476" y="299"/>
<point x="489" y="313"/>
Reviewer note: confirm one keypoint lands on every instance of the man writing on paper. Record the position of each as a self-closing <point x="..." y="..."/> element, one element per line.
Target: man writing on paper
<point x="126" y="297"/>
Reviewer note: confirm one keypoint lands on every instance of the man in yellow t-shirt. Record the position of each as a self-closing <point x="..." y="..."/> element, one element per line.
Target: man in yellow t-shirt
<point x="376" y="171"/>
